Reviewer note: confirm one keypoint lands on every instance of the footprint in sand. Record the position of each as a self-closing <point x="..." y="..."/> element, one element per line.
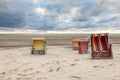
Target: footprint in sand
<point x="63" y="61"/>
<point x="16" y="69"/>
<point x="2" y="73"/>
<point x="34" y="73"/>
<point x="19" y="74"/>
<point x="58" y="69"/>
<point x="44" y="64"/>
<point x="102" y="67"/>
<point x="30" y="68"/>
<point x="76" y="60"/>
<point x="76" y="77"/>
<point x="10" y="54"/>
<point x="73" y="64"/>
<point x="1" y="78"/>
<point x="41" y="78"/>
<point x="9" y="78"/>
<point x="23" y="78"/>
<point x="50" y="70"/>
<point x="57" y="62"/>
<point x="37" y="72"/>
<point x="22" y="74"/>
<point x="25" y="70"/>
<point x="95" y="66"/>
<point x="47" y="63"/>
<point x="110" y="64"/>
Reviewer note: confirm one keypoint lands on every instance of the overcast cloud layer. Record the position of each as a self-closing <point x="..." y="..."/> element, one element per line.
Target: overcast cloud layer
<point x="59" y="14"/>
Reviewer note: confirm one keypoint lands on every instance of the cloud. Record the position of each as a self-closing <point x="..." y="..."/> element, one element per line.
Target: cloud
<point x="13" y="13"/>
<point x="59" y="14"/>
<point x="40" y="10"/>
<point x="11" y="20"/>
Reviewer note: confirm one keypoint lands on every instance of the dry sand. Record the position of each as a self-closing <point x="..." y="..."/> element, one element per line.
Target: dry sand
<point x="60" y="63"/>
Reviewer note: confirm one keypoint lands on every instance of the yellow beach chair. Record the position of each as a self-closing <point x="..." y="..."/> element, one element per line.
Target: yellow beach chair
<point x="75" y="44"/>
<point x="39" y="45"/>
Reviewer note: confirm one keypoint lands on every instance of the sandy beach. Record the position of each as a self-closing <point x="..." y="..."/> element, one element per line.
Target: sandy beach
<point x="60" y="63"/>
<point x="59" y="39"/>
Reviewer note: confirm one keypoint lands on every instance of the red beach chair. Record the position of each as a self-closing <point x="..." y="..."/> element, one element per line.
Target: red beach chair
<point x="83" y="46"/>
<point x="100" y="47"/>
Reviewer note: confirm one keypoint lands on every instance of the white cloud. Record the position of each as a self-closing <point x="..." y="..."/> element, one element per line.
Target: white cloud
<point x="64" y="18"/>
<point x="115" y="15"/>
<point x="75" y="10"/>
<point x="40" y="10"/>
<point x="35" y="1"/>
<point x="96" y="19"/>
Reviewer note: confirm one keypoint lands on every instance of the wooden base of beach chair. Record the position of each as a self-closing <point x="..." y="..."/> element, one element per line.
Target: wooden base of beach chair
<point x="80" y="51"/>
<point x="32" y="52"/>
<point x="84" y="51"/>
<point x="75" y="48"/>
<point x="41" y="52"/>
<point x="102" y="56"/>
<point x="106" y="55"/>
<point x="95" y="55"/>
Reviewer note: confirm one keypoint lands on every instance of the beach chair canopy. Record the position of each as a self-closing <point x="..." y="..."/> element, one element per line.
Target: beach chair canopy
<point x="99" y="42"/>
<point x="83" y="46"/>
<point x="38" y="43"/>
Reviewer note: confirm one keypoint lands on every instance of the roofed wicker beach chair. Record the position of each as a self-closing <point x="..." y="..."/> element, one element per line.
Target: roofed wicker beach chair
<point x="83" y="46"/>
<point x="100" y="47"/>
<point x="75" y="44"/>
<point x="39" y="45"/>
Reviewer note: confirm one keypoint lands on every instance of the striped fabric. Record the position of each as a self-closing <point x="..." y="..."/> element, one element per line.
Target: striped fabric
<point x="99" y="42"/>
<point x="95" y="42"/>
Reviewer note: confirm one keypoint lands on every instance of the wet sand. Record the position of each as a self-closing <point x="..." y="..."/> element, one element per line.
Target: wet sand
<point x="20" y="40"/>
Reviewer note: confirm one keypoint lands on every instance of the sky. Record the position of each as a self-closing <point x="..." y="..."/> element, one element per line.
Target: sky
<point x="59" y="14"/>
